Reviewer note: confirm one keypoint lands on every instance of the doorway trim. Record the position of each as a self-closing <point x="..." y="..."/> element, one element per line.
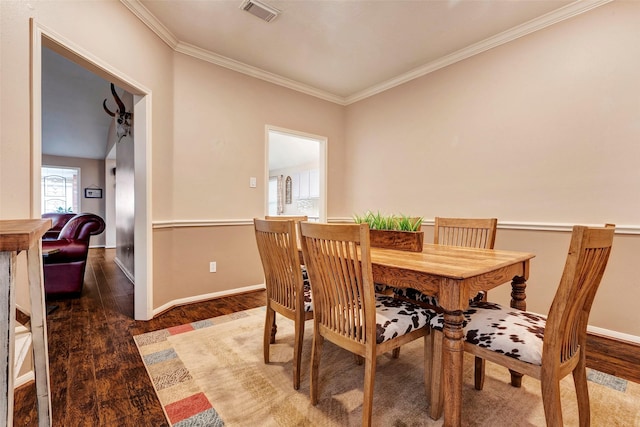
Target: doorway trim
<point x="322" y="166"/>
<point x="143" y="265"/>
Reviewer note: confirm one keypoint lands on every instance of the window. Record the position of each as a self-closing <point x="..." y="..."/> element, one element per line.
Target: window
<point x="59" y="188"/>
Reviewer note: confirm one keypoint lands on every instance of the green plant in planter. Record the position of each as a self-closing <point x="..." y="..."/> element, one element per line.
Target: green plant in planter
<point x="378" y="221"/>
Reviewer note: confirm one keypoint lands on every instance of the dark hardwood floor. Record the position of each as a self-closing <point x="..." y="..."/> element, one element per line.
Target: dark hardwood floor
<point x="97" y="376"/>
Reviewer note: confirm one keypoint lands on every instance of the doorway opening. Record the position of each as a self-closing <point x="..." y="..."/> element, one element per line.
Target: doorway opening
<point x="296" y="174"/>
<point x="41" y="38"/>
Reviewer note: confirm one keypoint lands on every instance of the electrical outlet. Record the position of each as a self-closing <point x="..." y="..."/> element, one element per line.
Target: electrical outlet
<point x="212" y="267"/>
<point x="253" y="182"/>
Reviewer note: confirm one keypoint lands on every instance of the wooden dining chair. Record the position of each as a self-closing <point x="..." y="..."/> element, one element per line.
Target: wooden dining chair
<point x="288" y="290"/>
<point x="287" y="217"/>
<point x="348" y="313"/>
<point x="467" y="232"/>
<point x="547" y="348"/>
<point x="296" y="218"/>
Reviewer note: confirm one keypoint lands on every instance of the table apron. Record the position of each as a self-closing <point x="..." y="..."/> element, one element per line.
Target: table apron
<point x="430" y="283"/>
<point x="487" y="281"/>
<point x="402" y="278"/>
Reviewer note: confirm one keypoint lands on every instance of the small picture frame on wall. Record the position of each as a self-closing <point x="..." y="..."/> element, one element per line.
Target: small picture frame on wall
<point x="93" y="193"/>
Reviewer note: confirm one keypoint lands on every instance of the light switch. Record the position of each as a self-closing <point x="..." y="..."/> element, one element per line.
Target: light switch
<point x="252" y="182"/>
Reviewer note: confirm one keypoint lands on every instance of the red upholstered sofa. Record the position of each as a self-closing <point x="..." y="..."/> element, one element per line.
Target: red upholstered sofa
<point x="65" y="258"/>
<point x="58" y="221"/>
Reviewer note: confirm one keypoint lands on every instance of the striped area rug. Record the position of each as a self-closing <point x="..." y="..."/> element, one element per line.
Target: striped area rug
<point x="211" y="373"/>
<point x="182" y="400"/>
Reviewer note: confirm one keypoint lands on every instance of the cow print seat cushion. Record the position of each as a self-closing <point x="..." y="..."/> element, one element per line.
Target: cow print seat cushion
<point x="431" y="300"/>
<point x="514" y="333"/>
<point x="395" y="317"/>
<point x="306" y="286"/>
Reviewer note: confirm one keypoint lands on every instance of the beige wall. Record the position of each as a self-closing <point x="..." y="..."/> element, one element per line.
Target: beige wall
<point x="132" y="51"/>
<point x="541" y="130"/>
<point x="220" y="119"/>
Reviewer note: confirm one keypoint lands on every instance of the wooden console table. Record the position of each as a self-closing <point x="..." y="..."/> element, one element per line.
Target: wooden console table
<point x="17" y="236"/>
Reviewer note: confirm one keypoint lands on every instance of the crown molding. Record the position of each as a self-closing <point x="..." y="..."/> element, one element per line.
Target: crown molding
<point x="240" y="67"/>
<point x="566" y="12"/>
<point x="569" y="11"/>
<point x="152" y="22"/>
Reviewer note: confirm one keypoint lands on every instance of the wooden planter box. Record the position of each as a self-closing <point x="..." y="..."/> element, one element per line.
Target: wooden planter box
<point x="401" y="240"/>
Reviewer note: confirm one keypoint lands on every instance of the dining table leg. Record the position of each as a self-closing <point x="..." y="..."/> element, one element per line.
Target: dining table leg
<point x="518" y="300"/>
<point x="452" y="360"/>
<point x="518" y="293"/>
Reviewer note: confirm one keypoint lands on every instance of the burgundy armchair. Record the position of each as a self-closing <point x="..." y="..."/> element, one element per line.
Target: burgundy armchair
<point x="65" y="258"/>
<point x="58" y="221"/>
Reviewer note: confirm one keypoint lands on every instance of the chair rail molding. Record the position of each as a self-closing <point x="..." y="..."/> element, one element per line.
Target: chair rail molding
<point x="506" y="225"/>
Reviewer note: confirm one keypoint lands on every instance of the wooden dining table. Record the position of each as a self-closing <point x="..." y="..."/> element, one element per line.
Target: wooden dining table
<point x="454" y="274"/>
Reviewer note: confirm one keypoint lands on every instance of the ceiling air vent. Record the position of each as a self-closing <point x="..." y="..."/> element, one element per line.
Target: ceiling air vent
<point x="259" y="9"/>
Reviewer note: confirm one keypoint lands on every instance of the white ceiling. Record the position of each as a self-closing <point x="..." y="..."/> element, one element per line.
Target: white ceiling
<point x="73" y="121"/>
<point x="342" y="50"/>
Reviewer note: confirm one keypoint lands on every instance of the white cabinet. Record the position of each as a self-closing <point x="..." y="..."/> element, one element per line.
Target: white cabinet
<point x="295" y="186"/>
<point x="314" y="183"/>
<point x="304" y="185"/>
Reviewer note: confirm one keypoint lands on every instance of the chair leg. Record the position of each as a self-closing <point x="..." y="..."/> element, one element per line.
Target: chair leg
<point x="479" y="373"/>
<point x="516" y="378"/>
<point x="269" y="322"/>
<point x="369" y="378"/>
<point x="396" y="352"/>
<point x="316" y="351"/>
<point x="428" y="362"/>
<point x="582" y="393"/>
<point x="274" y="329"/>
<point x="436" y="405"/>
<point x="297" y="352"/>
<point x="551" y="400"/>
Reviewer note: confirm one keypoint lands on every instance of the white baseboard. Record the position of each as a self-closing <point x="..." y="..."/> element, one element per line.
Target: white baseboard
<point x="24" y="379"/>
<point x="124" y="270"/>
<point x="206" y="297"/>
<point x="614" y="335"/>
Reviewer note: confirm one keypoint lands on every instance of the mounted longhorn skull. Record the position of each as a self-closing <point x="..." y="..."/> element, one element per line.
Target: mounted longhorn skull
<point x="123" y="127"/>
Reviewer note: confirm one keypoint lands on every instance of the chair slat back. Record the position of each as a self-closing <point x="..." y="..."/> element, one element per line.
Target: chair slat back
<point x="280" y="261"/>
<point x="566" y="329"/>
<point x="296" y="218"/>
<point x="339" y="264"/>
<point x="468" y="232"/>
